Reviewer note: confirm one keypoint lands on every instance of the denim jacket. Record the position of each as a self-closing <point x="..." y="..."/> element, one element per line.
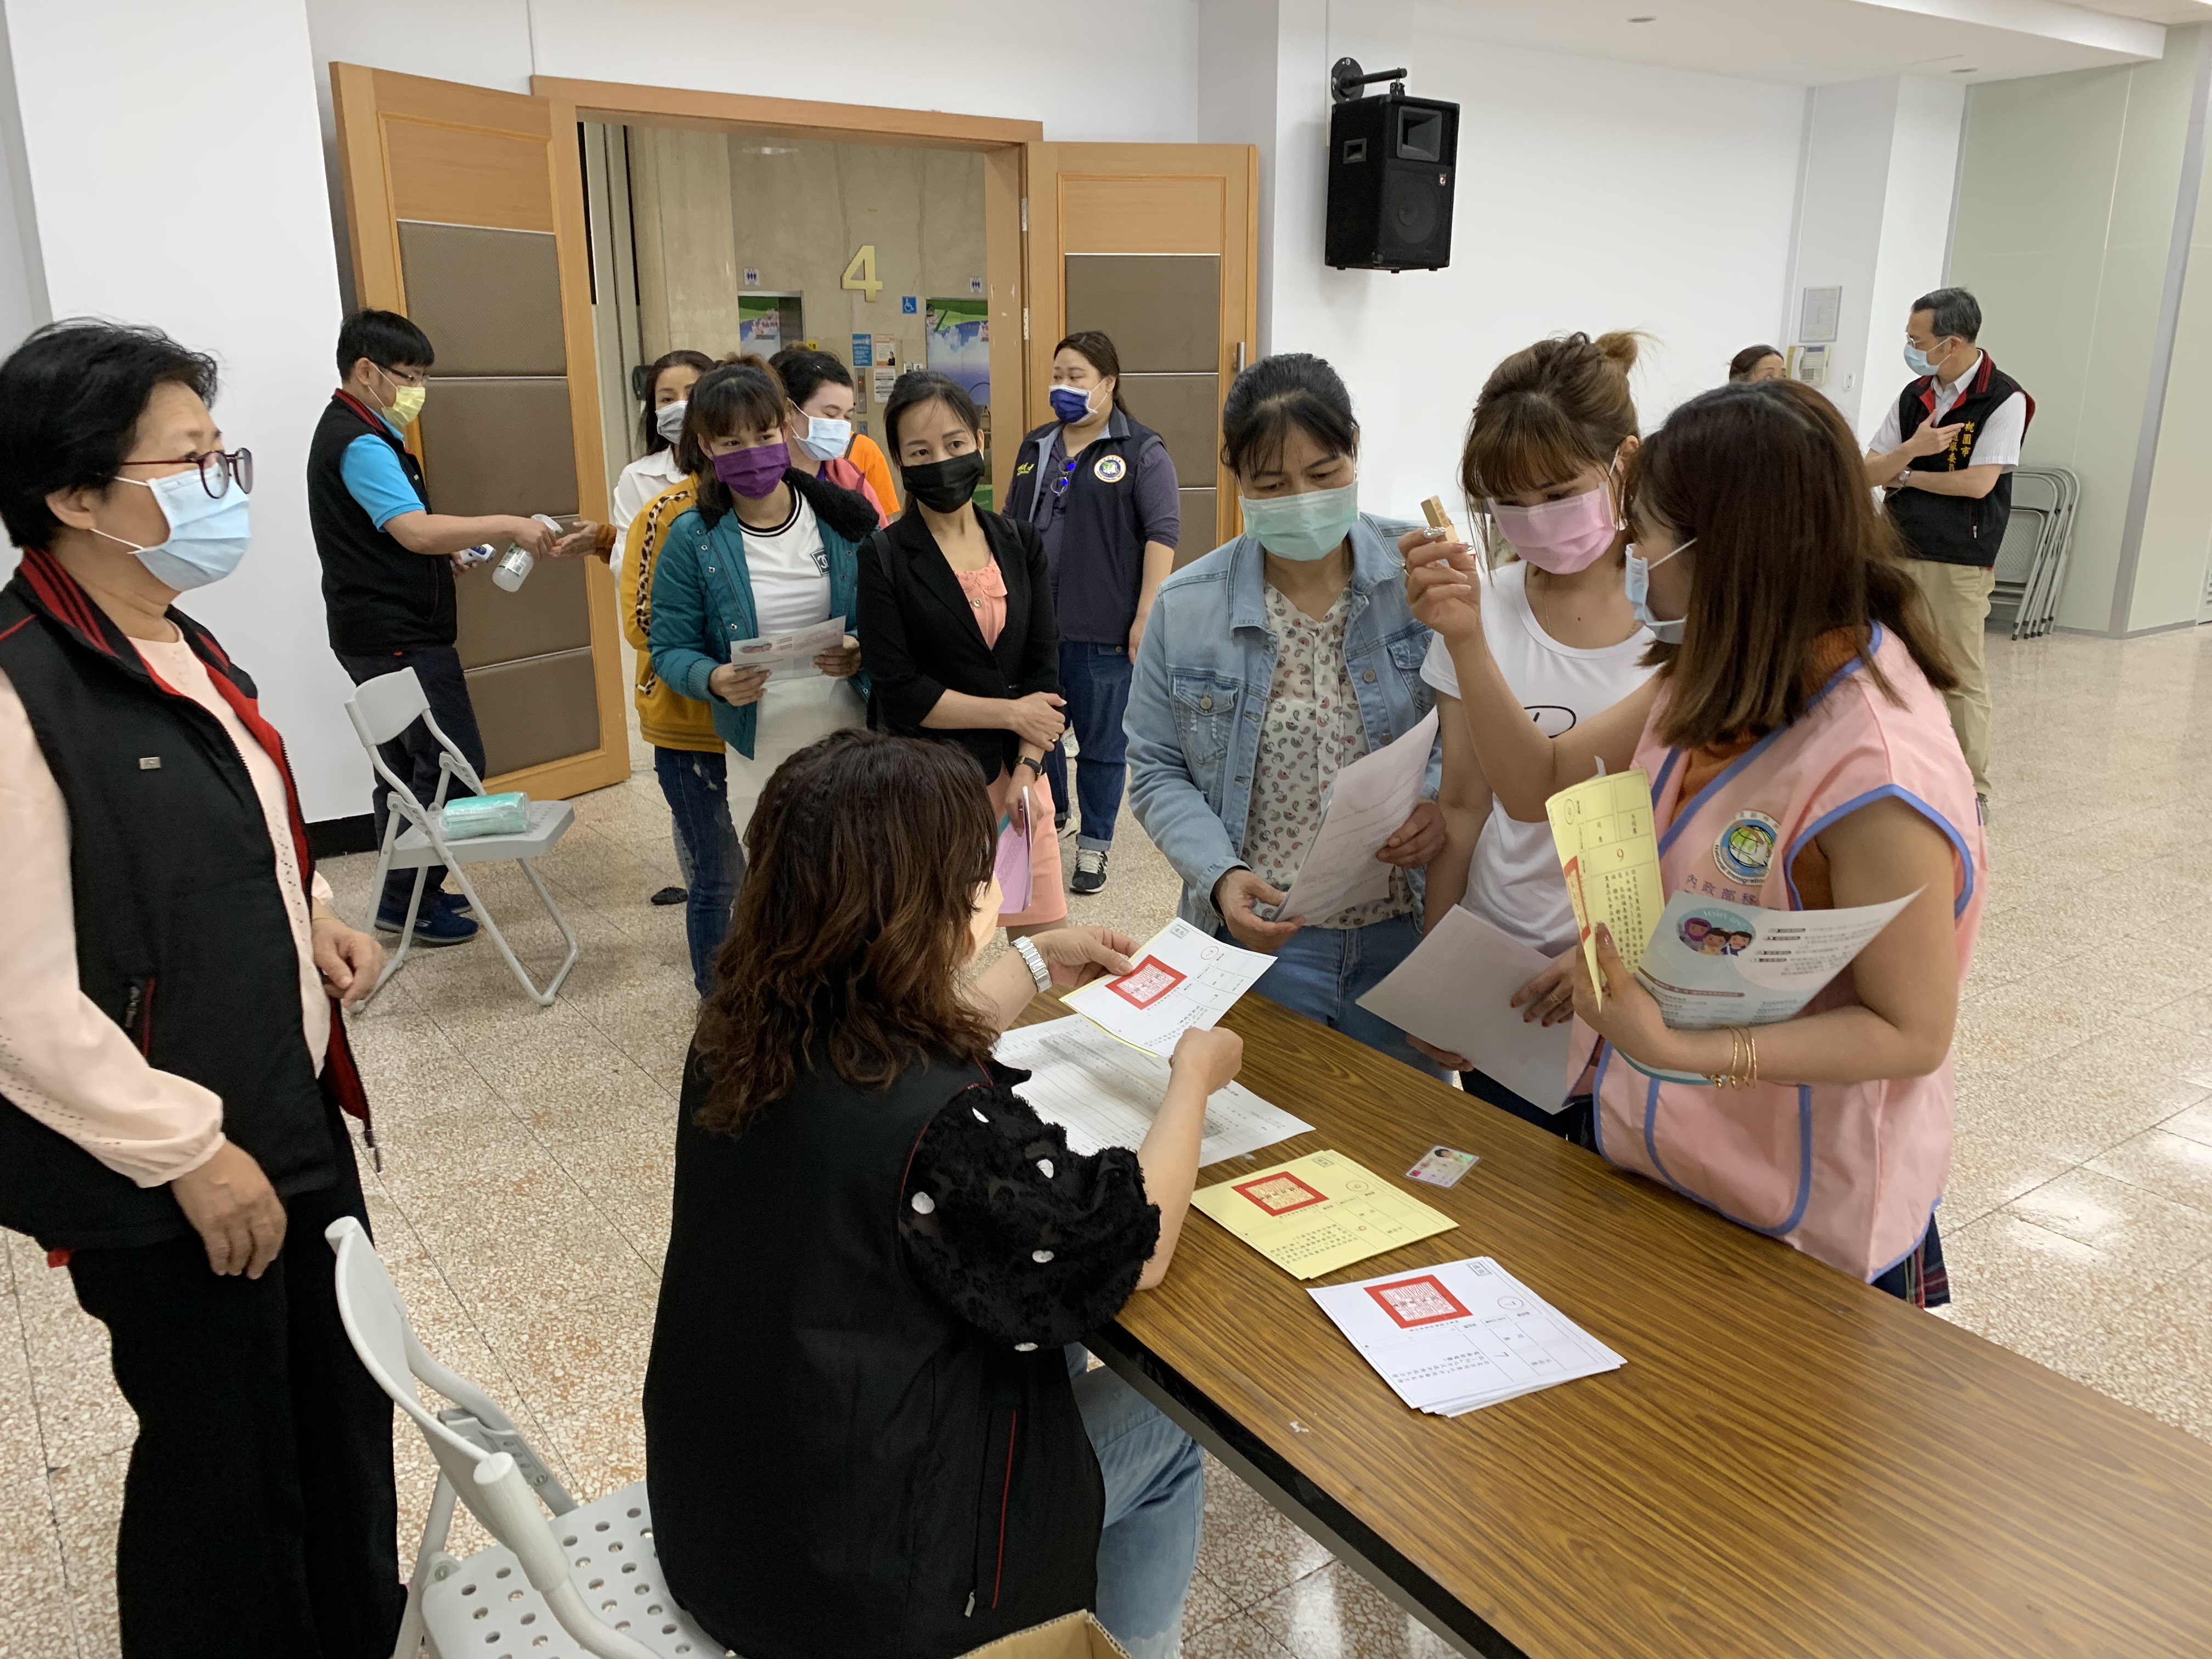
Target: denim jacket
<point x="1200" y="697"/>
<point x="702" y="599"/>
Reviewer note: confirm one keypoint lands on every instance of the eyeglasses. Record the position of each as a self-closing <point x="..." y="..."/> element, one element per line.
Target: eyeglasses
<point x="403" y="376"/>
<point x="217" y="469"/>
<point x="1059" y="485"/>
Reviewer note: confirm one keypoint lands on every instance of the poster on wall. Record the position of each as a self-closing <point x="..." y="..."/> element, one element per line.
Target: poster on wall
<point x="959" y="344"/>
<point x="760" y="326"/>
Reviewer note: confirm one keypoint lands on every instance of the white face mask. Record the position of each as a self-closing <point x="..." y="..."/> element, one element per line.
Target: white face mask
<point x="1636" y="582"/>
<point x="826" y="439"/>
<point x="668" y="419"/>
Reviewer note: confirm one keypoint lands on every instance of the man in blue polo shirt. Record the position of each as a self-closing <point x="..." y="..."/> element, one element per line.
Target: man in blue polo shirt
<point x="388" y="563"/>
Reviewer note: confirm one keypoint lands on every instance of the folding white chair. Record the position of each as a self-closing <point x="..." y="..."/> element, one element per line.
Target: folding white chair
<point x="414" y="831"/>
<point x="584" y="1583"/>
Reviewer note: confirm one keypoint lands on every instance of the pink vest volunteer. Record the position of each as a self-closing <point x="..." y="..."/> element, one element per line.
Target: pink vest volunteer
<point x="1848" y="1173"/>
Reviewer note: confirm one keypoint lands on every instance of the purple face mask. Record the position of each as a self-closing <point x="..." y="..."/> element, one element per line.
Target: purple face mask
<point x="754" y="472"/>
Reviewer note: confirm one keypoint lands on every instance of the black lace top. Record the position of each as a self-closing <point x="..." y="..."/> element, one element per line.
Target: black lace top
<point x="1024" y="1239"/>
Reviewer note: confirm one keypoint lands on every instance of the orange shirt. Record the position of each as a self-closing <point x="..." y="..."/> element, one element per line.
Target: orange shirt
<point x="873" y="467"/>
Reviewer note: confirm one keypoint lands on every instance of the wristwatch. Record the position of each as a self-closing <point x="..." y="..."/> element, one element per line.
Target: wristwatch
<point x="1038" y="971"/>
<point x="1036" y="766"/>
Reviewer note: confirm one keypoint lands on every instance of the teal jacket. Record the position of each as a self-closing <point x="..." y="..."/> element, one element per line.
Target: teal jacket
<point x="702" y="596"/>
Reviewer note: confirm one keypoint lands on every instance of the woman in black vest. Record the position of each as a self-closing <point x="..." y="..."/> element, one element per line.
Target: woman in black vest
<point x="173" y="1066"/>
<point x="863" y="1435"/>
<point x="1101" y="493"/>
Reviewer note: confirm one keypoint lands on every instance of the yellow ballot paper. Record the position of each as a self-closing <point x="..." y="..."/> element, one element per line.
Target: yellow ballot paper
<point x="1319" y="1212"/>
<point x="1610" y="856"/>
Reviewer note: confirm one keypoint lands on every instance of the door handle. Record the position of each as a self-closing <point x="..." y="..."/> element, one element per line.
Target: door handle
<point x="1240" y="357"/>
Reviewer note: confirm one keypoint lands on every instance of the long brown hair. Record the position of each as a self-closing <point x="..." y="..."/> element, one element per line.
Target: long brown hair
<point x="1766" y="476"/>
<point x="864" y="856"/>
<point x="1548" y="411"/>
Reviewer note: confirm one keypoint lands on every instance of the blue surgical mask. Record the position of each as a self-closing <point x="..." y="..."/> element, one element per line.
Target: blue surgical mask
<point x="1309" y="527"/>
<point x="1071" y="404"/>
<point x="668" y="420"/>
<point x="208" y="534"/>
<point x="825" y="440"/>
<point x="1636" y="580"/>
<point x="1918" y="361"/>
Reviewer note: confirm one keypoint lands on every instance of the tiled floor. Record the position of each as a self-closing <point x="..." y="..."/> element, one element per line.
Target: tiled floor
<point x="524" y="1201"/>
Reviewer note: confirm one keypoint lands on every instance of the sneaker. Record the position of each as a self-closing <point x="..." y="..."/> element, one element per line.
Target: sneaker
<point x="457" y="902"/>
<point x="1089" y="870"/>
<point x="670" y="896"/>
<point x="434" y="925"/>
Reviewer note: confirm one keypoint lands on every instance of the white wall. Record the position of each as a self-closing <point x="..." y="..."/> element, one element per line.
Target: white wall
<point x="175" y="179"/>
<point x="1128" y="73"/>
<point x="1591" y="194"/>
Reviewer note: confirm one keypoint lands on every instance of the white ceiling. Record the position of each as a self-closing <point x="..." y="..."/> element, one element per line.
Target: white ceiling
<point x="1813" y="42"/>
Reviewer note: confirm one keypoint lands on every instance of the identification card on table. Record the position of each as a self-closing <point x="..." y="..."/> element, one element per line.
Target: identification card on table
<point x="1609" y="854"/>
<point x="1441" y="1166"/>
<point x="789" y="654"/>
<point x="1319" y="1212"/>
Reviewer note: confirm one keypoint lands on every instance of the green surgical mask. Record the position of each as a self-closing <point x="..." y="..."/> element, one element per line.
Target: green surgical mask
<point x="1312" y="525"/>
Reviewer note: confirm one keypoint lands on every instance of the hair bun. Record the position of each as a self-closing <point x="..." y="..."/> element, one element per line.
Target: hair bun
<point x="1620" y="347"/>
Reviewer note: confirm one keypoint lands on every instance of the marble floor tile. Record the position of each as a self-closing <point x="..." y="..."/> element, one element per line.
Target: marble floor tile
<point x="523" y="1206"/>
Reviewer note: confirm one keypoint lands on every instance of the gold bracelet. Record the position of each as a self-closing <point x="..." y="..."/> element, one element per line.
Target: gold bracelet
<point x="1743" y="1061"/>
<point x="1752" y="1043"/>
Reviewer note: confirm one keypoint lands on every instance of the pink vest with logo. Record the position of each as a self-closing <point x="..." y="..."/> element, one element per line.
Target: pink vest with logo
<point x="1848" y="1173"/>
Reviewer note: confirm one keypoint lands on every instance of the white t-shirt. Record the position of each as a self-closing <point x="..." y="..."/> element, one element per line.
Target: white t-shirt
<point x="1513" y="880"/>
<point x="1997" y="444"/>
<point x="640" y="481"/>
<point x="790" y="572"/>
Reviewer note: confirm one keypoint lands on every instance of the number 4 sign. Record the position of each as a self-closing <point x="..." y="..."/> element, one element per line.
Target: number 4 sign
<point x="860" y="274"/>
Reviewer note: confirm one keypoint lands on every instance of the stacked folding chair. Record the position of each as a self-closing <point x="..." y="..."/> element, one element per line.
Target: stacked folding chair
<point x="2039" y="541"/>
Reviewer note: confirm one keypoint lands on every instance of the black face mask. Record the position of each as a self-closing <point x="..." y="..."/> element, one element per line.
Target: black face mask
<point x="945" y="486"/>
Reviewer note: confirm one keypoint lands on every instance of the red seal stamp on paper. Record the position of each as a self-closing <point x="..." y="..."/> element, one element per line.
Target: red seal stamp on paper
<point x="1416" y="1301"/>
<point x="1145" y="983"/>
<point x="1280" y="1192"/>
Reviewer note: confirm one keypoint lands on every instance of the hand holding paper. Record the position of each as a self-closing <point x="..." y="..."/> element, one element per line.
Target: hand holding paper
<point x="790" y="653"/>
<point x="1183" y="979"/>
<point x="1372" y="800"/>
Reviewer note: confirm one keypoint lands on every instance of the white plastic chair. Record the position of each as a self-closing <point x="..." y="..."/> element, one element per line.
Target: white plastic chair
<point x="414" y="832"/>
<point x="584" y="1583"/>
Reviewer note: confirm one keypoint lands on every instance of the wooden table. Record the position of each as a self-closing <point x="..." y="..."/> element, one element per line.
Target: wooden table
<point x="1789" y="1464"/>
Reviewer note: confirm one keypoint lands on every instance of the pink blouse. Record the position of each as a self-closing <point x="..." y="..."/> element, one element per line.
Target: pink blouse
<point x="63" y="1060"/>
<point x="987" y="597"/>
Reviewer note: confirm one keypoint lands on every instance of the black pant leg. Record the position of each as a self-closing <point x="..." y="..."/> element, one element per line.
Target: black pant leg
<point x="246" y="1419"/>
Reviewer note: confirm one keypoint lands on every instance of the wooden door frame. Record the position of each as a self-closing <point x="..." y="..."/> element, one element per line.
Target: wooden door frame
<point x="1240" y="244"/>
<point x="358" y="95"/>
<point x="1003" y="143"/>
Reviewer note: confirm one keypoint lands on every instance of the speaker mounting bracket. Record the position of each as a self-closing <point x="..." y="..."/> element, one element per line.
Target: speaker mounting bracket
<point x="1346" y="78"/>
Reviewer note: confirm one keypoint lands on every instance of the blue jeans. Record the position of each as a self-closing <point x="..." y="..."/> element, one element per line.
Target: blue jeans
<point x="1155" y="1501"/>
<point x="1322" y="972"/>
<point x="413" y="756"/>
<point x="1095" y="680"/>
<point x="696" y="785"/>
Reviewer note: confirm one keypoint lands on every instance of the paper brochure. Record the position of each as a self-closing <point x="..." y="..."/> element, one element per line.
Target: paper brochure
<point x="791" y="655"/>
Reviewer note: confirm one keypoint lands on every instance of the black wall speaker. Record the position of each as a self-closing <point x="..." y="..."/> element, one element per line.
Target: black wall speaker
<point x="1392" y="161"/>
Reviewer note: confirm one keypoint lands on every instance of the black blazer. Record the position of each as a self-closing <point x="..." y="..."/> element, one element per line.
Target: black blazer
<point x="918" y="638"/>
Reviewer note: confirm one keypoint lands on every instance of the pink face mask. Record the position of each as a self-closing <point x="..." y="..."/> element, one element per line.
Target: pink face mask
<point x="1561" y="537"/>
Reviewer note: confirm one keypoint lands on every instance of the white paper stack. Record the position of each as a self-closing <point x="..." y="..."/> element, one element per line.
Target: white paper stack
<point x="1452" y="1338"/>
<point x="1105" y="1093"/>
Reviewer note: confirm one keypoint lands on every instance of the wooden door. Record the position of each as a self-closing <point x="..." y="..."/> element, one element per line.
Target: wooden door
<point x="466" y="211"/>
<point x="1157" y="247"/>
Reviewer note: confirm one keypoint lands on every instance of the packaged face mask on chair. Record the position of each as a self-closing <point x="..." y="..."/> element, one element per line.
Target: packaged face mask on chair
<point x="486" y="815"/>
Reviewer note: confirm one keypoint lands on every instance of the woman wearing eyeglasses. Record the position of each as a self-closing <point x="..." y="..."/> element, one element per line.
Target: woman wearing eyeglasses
<point x="172" y="1064"/>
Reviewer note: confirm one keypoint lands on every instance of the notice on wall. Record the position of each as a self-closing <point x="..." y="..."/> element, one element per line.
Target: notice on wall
<point x="885" y="380"/>
<point x="752" y="276"/>
<point x="863" y="350"/>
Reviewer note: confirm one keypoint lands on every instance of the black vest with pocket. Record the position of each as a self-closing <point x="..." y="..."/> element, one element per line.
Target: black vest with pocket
<point x="377" y="596"/>
<point x="1098" y="567"/>
<point x="841" y="1469"/>
<point x="1955" y="529"/>
<point x="183" y="938"/>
